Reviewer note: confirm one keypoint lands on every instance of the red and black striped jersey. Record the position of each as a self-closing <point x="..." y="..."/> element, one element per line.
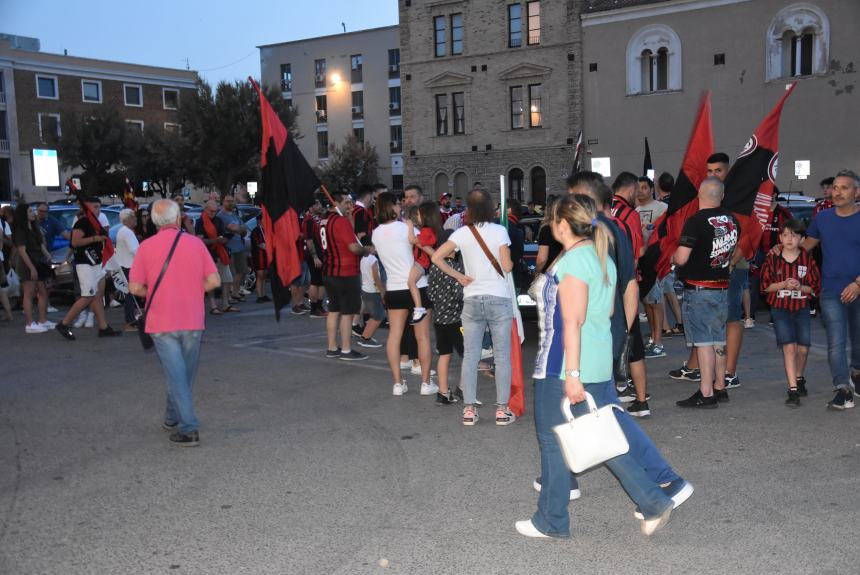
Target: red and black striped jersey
<point x="336" y="236"/>
<point x="363" y="217"/>
<point x="627" y="218"/>
<point x="776" y="269"/>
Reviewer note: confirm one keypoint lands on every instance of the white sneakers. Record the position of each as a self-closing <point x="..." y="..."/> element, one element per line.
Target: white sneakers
<point x="528" y="529"/>
<point x="416" y="370"/>
<point x="400" y="388"/>
<point x="749" y="323"/>
<point x="85" y="319"/>
<point x="35" y="328"/>
<point x="91" y="320"/>
<point x="47" y="324"/>
<point x="429" y="388"/>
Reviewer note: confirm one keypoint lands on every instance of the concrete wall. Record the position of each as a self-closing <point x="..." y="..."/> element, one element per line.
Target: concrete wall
<point x="373" y="45"/>
<point x="485" y="72"/>
<point x="819" y="121"/>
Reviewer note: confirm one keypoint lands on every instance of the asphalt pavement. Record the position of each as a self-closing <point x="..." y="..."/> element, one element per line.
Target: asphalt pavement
<point x="311" y="466"/>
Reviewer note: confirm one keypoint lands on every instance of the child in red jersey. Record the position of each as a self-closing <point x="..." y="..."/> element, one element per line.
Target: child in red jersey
<point x="790" y="279"/>
<point x="427" y="218"/>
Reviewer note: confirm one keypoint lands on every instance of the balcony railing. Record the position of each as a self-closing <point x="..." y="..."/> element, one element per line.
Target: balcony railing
<point x="4" y="146"/>
<point x="321" y="117"/>
<point x="319" y="80"/>
<point x="394" y="71"/>
<point x="2" y="97"/>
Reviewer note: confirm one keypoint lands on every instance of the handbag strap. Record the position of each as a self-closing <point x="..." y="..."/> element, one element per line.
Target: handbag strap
<point x="163" y="270"/>
<point x="487" y="252"/>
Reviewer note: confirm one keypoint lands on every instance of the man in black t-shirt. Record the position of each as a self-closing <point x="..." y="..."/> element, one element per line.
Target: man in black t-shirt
<point x="707" y="245"/>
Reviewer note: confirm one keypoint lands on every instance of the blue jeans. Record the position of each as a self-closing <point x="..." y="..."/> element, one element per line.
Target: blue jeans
<point x="179" y="352"/>
<point x="551" y="516"/>
<point x="480" y="312"/>
<point x="840" y="321"/>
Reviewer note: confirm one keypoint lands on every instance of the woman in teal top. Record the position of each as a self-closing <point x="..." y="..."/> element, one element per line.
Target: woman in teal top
<point x="575" y="357"/>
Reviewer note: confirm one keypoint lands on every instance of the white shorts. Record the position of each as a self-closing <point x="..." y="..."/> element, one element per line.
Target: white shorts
<point x="89" y="278"/>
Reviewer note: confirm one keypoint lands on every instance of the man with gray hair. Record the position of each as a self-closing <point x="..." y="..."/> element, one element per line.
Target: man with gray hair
<point x="126" y="248"/>
<point x="703" y="258"/>
<point x="175" y="316"/>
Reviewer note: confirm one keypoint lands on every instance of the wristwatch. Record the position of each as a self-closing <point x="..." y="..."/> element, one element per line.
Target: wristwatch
<point x="572" y="373"/>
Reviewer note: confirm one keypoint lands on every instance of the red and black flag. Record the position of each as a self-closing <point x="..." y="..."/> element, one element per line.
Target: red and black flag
<point x="683" y="202"/>
<point x="128" y="195"/>
<point x="99" y="230"/>
<point x="647" y="166"/>
<point x="751" y="181"/>
<point x="287" y="187"/>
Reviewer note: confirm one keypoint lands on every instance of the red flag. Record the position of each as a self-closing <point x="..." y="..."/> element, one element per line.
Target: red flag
<point x="128" y="195"/>
<point x="683" y="202"/>
<point x="287" y="188"/>
<point x="752" y="179"/>
<point x="517" y="402"/>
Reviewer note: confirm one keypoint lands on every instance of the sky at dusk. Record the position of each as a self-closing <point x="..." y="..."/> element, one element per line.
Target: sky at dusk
<point x="220" y="42"/>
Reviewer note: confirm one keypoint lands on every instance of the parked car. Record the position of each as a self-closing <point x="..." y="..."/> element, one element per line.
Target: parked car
<point x="61" y="253"/>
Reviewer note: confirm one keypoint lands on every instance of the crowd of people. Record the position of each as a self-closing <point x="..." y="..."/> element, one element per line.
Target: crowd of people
<point x="441" y="272"/>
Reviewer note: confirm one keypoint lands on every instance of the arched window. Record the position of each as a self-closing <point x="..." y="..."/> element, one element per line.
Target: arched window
<point x="440" y="184"/>
<point x="653" y="60"/>
<point x="538" y="184"/>
<point x="515" y="183"/>
<point x="461" y="184"/>
<point x="798" y="42"/>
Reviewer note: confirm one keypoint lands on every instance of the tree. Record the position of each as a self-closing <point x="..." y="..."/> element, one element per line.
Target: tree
<point x="97" y="144"/>
<point x="350" y="166"/>
<point x="221" y="132"/>
<point x="156" y="156"/>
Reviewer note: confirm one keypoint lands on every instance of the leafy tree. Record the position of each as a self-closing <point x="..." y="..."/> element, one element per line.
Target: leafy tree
<point x="350" y="166"/>
<point x="156" y="156"/>
<point x="221" y="132"/>
<point x="96" y="143"/>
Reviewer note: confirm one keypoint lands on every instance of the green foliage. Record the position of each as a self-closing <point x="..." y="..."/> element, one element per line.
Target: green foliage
<point x="350" y="166"/>
<point x="96" y="143"/>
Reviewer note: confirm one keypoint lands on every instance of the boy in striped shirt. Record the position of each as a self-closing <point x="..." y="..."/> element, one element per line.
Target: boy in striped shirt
<point x="790" y="279"/>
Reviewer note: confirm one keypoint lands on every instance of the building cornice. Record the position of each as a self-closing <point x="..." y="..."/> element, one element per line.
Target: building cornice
<point x="99" y="73"/>
<point x="651" y="10"/>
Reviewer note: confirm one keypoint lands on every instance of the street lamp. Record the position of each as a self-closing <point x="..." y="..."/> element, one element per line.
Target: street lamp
<point x="335" y="78"/>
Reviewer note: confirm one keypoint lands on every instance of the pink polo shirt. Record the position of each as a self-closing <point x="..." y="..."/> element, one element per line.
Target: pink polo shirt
<point x="179" y="303"/>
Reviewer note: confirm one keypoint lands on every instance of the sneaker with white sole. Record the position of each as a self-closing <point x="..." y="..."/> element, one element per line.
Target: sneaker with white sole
<point x="352" y="355"/>
<point x="79" y="322"/>
<point x="368" y="342"/>
<point x="399" y="388"/>
<point x="650" y="526"/>
<point x="52" y="309"/>
<point x="48" y="324"/>
<point x="418" y="314"/>
<point x="407" y="365"/>
<point x="655" y="351"/>
<point x="35" y="328"/>
<point x="504" y="416"/>
<point x="91" y="320"/>
<point x="416" y="370"/>
<point x="470" y="415"/>
<point x="574" y="493"/>
<point x="678" y="491"/>
<point x="429" y="388"/>
<point x="528" y="529"/>
<point x="749" y="323"/>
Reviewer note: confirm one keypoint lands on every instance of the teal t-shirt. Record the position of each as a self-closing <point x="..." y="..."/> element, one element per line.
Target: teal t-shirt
<point x="595" y="355"/>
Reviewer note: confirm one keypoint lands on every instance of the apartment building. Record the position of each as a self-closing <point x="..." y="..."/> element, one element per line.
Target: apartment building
<point x="491" y="89"/>
<point x="647" y="63"/>
<point x="37" y="90"/>
<point x="341" y="85"/>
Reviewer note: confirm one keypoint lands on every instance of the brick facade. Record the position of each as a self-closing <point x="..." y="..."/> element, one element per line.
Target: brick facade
<point x="485" y="72"/>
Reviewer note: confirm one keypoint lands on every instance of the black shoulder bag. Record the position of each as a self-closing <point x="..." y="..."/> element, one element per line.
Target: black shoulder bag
<point x="146" y="339"/>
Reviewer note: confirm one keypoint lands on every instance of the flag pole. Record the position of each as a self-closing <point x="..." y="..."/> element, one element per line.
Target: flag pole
<point x="337" y="209"/>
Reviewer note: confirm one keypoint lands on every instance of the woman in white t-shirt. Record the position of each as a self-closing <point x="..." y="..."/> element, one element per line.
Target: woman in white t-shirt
<point x="486" y="301"/>
<point x="391" y="240"/>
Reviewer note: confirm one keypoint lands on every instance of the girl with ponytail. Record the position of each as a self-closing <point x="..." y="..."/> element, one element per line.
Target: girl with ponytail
<point x="575" y="356"/>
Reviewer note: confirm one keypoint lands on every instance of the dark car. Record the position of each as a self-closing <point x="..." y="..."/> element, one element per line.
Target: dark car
<point x="61" y="253"/>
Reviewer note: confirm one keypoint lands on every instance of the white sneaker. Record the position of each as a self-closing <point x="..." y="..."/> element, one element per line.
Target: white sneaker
<point x="429" y="388"/>
<point x="91" y="320"/>
<point x="407" y="365"/>
<point x="416" y="370"/>
<point x="486" y="353"/>
<point x="749" y="323"/>
<point x="649" y="526"/>
<point x="399" y="388"/>
<point x="79" y="322"/>
<point x="52" y="309"/>
<point x="243" y="291"/>
<point x="48" y="324"/>
<point x="114" y="303"/>
<point x="528" y="529"/>
<point x="35" y="328"/>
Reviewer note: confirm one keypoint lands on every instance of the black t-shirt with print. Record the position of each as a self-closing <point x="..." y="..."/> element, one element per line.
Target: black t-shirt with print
<point x="90" y="254"/>
<point x="712" y="234"/>
<point x="545" y="238"/>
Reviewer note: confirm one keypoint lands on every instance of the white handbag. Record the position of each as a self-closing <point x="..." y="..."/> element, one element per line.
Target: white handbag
<point x="590" y="439"/>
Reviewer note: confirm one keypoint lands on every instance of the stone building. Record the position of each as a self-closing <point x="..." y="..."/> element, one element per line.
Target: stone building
<point x="490" y="89"/>
<point x="646" y="65"/>
<point x="341" y="85"/>
<point x="37" y="90"/>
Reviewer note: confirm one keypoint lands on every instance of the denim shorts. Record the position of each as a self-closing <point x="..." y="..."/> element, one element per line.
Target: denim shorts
<point x="667" y="284"/>
<point x="655" y="296"/>
<point x="737" y="284"/>
<point x="705" y="317"/>
<point x="304" y="277"/>
<point x="373" y="305"/>
<point x="791" y="326"/>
